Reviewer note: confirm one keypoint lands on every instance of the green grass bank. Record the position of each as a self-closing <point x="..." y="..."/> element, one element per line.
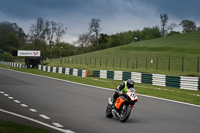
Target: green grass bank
<point x="10" y="127"/>
<point x="174" y="55"/>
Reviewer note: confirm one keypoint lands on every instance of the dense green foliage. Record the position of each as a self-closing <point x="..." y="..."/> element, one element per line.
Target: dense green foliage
<point x="11" y="36"/>
<point x="123" y="38"/>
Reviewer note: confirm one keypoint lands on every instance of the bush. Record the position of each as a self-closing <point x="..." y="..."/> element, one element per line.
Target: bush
<point x="8" y="57"/>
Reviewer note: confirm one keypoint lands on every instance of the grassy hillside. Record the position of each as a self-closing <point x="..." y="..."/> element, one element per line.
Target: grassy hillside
<point x="150" y="56"/>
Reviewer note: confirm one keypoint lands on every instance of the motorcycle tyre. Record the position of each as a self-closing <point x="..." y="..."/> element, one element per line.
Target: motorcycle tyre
<point x="108" y="114"/>
<point x="128" y="112"/>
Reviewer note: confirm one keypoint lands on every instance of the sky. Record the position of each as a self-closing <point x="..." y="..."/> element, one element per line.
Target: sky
<point x="115" y="15"/>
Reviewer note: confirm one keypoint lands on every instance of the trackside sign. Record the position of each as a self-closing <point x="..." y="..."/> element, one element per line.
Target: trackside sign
<point x="28" y="53"/>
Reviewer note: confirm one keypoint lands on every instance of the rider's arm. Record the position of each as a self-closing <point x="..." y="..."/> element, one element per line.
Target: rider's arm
<point x="122" y="85"/>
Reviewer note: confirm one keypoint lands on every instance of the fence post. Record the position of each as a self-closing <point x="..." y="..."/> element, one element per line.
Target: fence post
<point x="100" y="61"/>
<point x="106" y="61"/>
<point x="169" y="64"/>
<point x="120" y="63"/>
<point x="182" y="64"/>
<point x="157" y="63"/>
<point x="127" y="62"/>
<point x="198" y="64"/>
<point x="87" y="61"/>
<point x="136" y="62"/>
<point x="113" y="62"/>
<point x="146" y="63"/>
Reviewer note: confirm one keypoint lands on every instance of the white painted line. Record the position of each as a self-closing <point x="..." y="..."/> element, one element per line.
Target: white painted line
<point x="57" y="125"/>
<point x="36" y="121"/>
<point x="69" y="131"/>
<point x="33" y="110"/>
<point x="17" y="101"/>
<point x="194" y="105"/>
<point x="6" y="95"/>
<point x="10" y="97"/>
<point x="45" y="117"/>
<point x="24" y="105"/>
<point x="1" y="92"/>
<point x="169" y="100"/>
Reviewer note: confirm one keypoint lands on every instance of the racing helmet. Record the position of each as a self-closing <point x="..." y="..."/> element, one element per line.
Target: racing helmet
<point x="130" y="83"/>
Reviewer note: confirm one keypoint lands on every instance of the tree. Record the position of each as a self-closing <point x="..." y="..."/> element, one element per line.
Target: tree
<point x="188" y="25"/>
<point x="21" y="36"/>
<point x="60" y="31"/>
<point x="50" y="31"/>
<point x="164" y="19"/>
<point x="47" y="30"/>
<point x="171" y="26"/>
<point x="103" y="40"/>
<point x="114" y="40"/>
<point x="151" y="33"/>
<point x="84" y="40"/>
<point x="38" y="29"/>
<point x="12" y="40"/>
<point x="94" y="28"/>
<point x="173" y="33"/>
<point x="11" y="36"/>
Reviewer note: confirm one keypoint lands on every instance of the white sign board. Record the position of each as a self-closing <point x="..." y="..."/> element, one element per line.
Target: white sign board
<point x="28" y="53"/>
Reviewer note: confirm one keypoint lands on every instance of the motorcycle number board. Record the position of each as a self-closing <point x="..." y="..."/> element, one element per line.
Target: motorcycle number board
<point x="132" y="95"/>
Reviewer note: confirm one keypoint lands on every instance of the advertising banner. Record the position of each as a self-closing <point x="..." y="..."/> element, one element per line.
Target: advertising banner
<point x="28" y="53"/>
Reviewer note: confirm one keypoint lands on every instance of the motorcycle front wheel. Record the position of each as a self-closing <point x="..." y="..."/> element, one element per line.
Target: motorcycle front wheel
<point x="125" y="113"/>
<point x="108" y="111"/>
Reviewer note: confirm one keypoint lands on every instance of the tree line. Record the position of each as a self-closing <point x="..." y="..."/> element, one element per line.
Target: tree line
<point x="95" y="40"/>
<point x="45" y="35"/>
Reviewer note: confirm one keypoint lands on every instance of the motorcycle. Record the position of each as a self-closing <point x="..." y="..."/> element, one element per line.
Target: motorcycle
<point x="122" y="106"/>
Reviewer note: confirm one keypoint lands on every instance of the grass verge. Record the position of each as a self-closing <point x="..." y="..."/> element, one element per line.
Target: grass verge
<point x="188" y="96"/>
<point x="10" y="127"/>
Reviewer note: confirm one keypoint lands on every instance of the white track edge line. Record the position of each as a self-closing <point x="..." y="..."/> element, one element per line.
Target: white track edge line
<point x="194" y="105"/>
<point x="36" y="121"/>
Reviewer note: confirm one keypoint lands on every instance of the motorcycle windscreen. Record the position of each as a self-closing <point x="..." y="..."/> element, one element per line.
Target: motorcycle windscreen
<point x="119" y="102"/>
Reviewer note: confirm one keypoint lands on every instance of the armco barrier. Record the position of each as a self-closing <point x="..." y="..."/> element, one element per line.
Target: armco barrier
<point x="69" y="71"/>
<point x="182" y="82"/>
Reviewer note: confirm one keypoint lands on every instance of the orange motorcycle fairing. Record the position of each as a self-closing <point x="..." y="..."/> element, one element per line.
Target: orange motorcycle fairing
<point x="119" y="102"/>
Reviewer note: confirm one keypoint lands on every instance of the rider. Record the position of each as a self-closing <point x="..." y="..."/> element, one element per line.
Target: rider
<point x="122" y="89"/>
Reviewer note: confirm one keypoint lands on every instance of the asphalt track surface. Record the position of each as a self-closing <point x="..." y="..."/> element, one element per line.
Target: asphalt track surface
<point x="81" y="109"/>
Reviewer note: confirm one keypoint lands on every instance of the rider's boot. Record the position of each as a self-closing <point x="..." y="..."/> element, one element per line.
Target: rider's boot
<point x="110" y="101"/>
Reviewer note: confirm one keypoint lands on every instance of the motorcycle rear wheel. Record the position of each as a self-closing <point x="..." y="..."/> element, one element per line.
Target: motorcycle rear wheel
<point x="125" y="115"/>
<point x="108" y="111"/>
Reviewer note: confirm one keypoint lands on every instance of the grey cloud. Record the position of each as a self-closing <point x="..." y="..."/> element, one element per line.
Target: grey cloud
<point x="180" y="9"/>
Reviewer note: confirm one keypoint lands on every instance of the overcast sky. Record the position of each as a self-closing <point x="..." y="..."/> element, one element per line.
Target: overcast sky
<point x="115" y="15"/>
